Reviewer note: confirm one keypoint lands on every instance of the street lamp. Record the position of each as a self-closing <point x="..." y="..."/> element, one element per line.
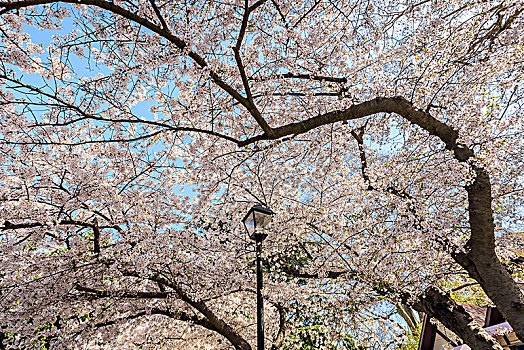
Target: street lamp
<point x="257" y="218"/>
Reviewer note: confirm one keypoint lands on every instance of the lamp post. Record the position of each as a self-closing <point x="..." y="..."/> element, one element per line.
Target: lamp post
<point x="257" y="218"/>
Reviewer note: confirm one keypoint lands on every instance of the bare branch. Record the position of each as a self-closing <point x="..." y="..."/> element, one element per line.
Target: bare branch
<point x="10" y="226"/>
<point x="304" y="76"/>
<point x="121" y="294"/>
<point x="159" y="15"/>
<point x="236" y="49"/>
<point x="252" y="107"/>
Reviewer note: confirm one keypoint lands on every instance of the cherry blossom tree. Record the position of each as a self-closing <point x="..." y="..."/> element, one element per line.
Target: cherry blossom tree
<point x="386" y="136"/>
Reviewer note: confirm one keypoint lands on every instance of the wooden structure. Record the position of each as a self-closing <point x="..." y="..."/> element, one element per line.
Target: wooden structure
<point x="434" y="337"/>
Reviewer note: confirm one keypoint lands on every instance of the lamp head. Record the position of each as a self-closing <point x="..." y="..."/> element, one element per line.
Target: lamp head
<point x="257" y="218"/>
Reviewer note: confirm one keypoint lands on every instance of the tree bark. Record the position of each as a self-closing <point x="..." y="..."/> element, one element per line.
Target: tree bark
<point x="480" y="260"/>
<point x="455" y="318"/>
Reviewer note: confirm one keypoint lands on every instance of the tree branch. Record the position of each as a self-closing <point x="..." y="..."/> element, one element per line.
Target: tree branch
<point x="397" y="105"/>
<point x="165" y="33"/>
<point x="454" y="317"/>
<point x="121" y="294"/>
<point x="10" y="226"/>
<point x="84" y="115"/>
<point x="96" y="237"/>
<point x="219" y="325"/>
<point x="252" y="107"/>
<point x="181" y="316"/>
<point x="437" y="305"/>
<point x="305" y="77"/>
<point x="159" y="15"/>
<point x="236" y="50"/>
<point x="279" y="339"/>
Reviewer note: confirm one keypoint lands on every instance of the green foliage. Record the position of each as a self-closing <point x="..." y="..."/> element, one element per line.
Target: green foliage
<point x="413" y="339"/>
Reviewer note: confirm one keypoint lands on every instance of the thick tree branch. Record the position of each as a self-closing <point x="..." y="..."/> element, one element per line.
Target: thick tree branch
<point x="454" y="317"/>
<point x="407" y="313"/>
<point x="292" y="271"/>
<point x="437" y="305"/>
<point x="10" y="226"/>
<point x="480" y="260"/>
<point x="359" y="137"/>
<point x="397" y="105"/>
<point x="219" y="325"/>
<point x="181" y="316"/>
<point x="256" y="5"/>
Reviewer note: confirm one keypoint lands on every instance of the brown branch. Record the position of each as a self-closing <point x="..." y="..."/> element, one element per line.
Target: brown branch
<point x="48" y="143"/>
<point x="303" y="76"/>
<point x="496" y="28"/>
<point x="397" y="105"/>
<point x="165" y="33"/>
<point x="96" y="237"/>
<point x="181" y="316"/>
<point x="279" y="10"/>
<point x="301" y="94"/>
<point x="252" y="107"/>
<point x="159" y="15"/>
<point x="307" y="13"/>
<point x="407" y="313"/>
<point x="281" y="333"/>
<point x="121" y="294"/>
<point x="480" y="259"/>
<point x="256" y="5"/>
<point x="454" y="317"/>
<point x="154" y="311"/>
<point x="315" y="77"/>
<point x="292" y="271"/>
<point x="359" y="137"/>
<point x="437" y="305"/>
<point x="236" y="50"/>
<point x="10" y="226"/>
<point x="219" y="325"/>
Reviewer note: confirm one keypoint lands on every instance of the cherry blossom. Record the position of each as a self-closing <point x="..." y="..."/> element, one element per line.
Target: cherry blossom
<point x="385" y="136"/>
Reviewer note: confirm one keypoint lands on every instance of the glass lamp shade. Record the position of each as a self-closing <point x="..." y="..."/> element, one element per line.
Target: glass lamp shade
<point x="257" y="218"/>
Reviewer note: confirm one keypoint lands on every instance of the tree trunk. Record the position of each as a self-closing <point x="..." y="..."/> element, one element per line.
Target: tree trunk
<point x="480" y="260"/>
